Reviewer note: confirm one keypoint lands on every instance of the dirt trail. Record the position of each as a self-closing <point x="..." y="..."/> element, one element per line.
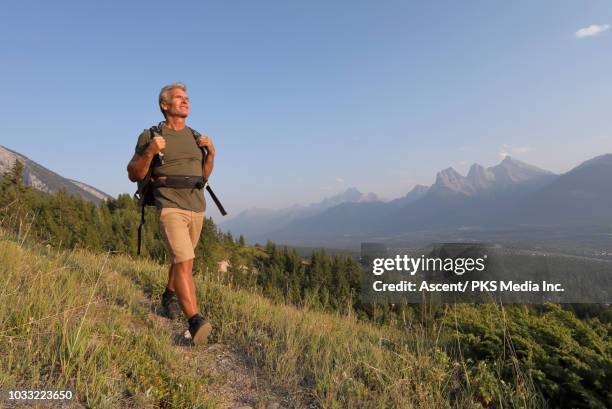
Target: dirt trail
<point x="235" y="382"/>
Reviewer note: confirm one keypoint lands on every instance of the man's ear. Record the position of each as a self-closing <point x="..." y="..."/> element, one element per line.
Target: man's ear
<point x="163" y="105"/>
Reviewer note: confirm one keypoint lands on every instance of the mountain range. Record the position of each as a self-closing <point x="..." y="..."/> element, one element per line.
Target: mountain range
<point x="41" y="178"/>
<point x="256" y="222"/>
<point x="510" y="195"/>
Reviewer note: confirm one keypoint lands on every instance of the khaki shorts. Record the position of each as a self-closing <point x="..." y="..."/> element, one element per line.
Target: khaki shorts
<point x="180" y="230"/>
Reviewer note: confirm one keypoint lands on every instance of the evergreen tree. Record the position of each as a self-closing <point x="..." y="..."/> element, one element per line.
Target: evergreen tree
<point x="16" y="174"/>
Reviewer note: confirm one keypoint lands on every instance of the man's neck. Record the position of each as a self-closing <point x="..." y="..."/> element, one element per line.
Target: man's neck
<point x="176" y="123"/>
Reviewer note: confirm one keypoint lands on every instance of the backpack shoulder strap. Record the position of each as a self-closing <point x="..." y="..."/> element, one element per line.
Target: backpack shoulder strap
<point x="196" y="135"/>
<point x="155" y="130"/>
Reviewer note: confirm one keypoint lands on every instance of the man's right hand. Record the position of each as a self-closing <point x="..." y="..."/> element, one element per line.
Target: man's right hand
<point x="156" y="145"/>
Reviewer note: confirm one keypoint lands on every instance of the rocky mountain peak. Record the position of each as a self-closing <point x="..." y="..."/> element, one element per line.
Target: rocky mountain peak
<point x="511" y="170"/>
<point x="451" y="179"/>
<point x="43" y="179"/>
<point x="448" y="176"/>
<point x="507" y="173"/>
<point x="479" y="177"/>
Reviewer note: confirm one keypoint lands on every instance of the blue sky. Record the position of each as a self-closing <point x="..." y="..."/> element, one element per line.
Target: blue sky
<point x="304" y="99"/>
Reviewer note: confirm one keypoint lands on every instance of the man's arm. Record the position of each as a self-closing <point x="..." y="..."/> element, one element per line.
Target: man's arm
<point x="139" y="165"/>
<point x="208" y="163"/>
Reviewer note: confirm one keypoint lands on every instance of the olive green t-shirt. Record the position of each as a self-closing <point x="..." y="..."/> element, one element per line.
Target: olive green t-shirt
<point x="182" y="157"/>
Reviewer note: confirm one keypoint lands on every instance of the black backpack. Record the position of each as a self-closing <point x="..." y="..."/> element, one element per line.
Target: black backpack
<point x="144" y="194"/>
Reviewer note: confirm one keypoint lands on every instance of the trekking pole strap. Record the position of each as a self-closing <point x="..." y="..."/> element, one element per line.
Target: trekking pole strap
<point x="142" y="222"/>
<point x="214" y="198"/>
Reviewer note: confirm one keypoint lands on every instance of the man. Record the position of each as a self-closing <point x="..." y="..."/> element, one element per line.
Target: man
<point x="181" y="209"/>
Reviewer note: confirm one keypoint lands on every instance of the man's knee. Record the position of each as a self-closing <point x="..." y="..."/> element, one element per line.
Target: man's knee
<point x="183" y="267"/>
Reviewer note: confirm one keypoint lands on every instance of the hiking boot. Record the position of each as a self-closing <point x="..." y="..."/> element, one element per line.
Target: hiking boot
<point x="170" y="305"/>
<point x="199" y="328"/>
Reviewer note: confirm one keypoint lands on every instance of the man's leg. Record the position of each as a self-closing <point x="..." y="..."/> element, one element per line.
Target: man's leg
<point x="182" y="280"/>
<point x="199" y="327"/>
<point x="171" y="307"/>
<point x="174" y="227"/>
<point x="180" y="235"/>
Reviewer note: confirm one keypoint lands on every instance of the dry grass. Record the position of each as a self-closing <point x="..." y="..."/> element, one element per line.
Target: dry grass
<point x="81" y="320"/>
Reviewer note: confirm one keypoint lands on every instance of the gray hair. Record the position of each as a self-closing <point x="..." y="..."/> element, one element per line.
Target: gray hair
<point x="164" y="93"/>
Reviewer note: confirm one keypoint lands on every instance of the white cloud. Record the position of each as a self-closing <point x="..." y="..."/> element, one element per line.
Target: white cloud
<point x="339" y="180"/>
<point x="506" y="150"/>
<point x="592" y="30"/>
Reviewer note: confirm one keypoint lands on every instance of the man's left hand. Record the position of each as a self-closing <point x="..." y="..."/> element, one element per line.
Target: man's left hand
<point x="204" y="141"/>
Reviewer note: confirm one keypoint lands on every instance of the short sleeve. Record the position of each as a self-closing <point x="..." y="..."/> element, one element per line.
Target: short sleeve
<point x="143" y="142"/>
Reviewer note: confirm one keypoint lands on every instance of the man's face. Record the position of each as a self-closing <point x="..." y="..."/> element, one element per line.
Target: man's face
<point x="176" y="103"/>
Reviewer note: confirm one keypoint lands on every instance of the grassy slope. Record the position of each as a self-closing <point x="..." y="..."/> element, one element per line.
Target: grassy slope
<point x="79" y="319"/>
